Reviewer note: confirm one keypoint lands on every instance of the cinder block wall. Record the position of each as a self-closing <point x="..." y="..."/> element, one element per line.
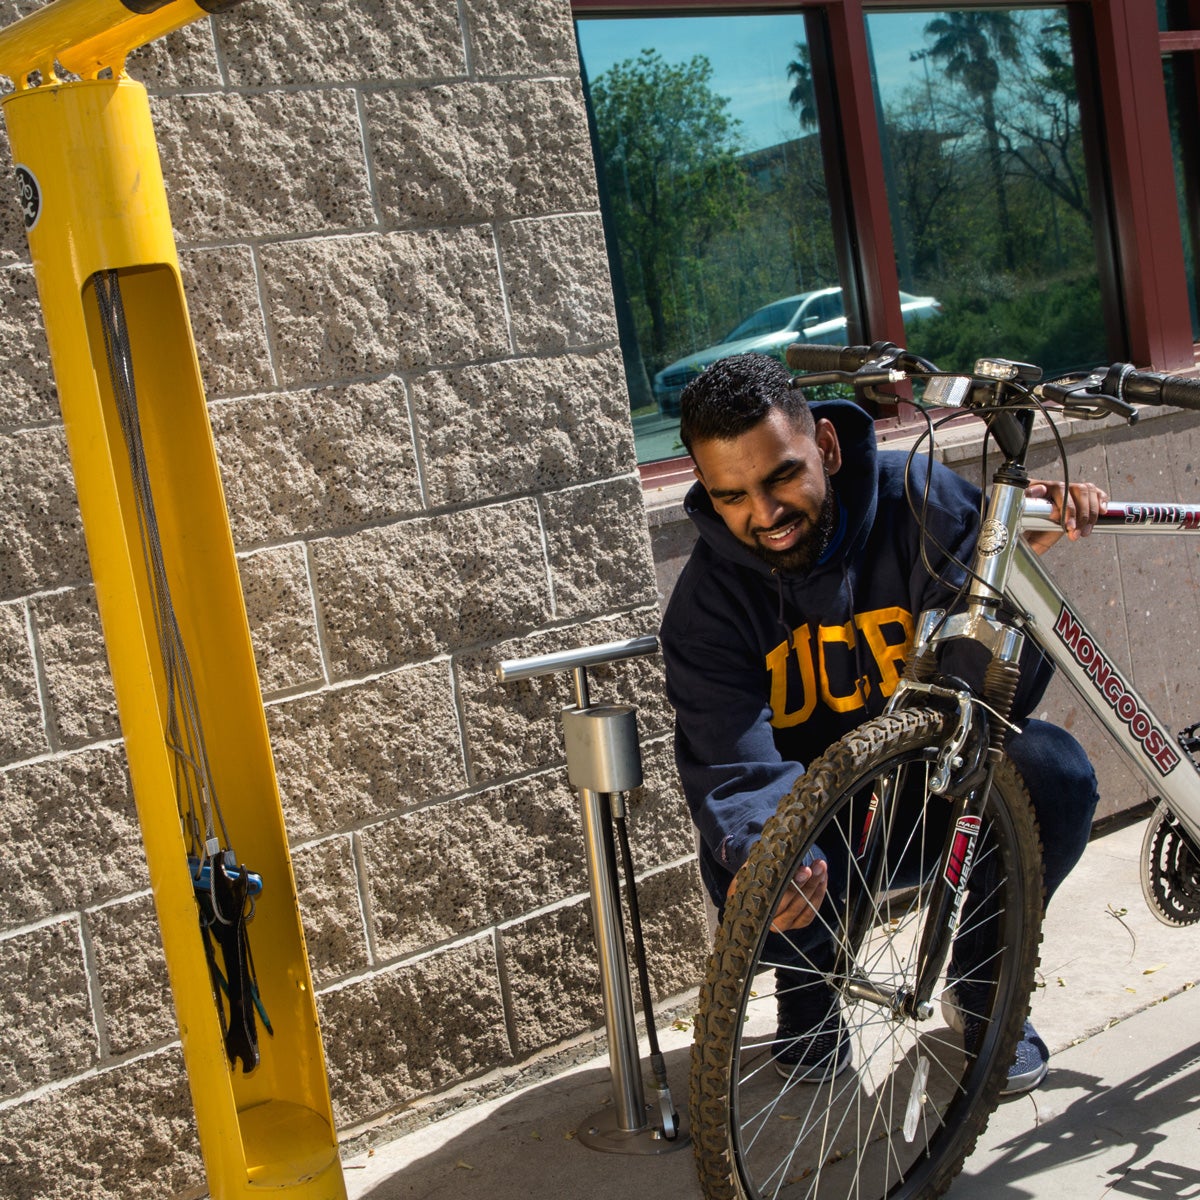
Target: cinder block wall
<point x="393" y="259"/>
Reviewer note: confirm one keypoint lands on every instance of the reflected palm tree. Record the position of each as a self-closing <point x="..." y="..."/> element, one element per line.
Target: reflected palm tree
<point x="803" y="98"/>
<point x="972" y="46"/>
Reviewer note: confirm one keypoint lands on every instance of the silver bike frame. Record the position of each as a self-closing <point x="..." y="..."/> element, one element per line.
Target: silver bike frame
<point x="1083" y="662"/>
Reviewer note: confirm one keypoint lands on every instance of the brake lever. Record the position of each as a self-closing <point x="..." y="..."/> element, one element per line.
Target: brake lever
<point x="1079" y="400"/>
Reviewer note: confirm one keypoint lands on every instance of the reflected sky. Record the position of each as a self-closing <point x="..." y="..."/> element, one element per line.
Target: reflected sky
<point x="750" y="54"/>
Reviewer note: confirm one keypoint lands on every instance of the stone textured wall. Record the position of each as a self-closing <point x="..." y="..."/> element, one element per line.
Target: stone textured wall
<point x="394" y="265"/>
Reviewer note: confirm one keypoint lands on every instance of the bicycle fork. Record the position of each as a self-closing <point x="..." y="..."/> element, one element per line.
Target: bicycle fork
<point x="945" y="901"/>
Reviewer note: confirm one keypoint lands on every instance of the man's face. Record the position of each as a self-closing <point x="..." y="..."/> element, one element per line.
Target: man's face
<point x="771" y="487"/>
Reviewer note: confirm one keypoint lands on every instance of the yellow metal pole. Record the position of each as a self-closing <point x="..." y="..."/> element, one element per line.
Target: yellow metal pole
<point x="94" y="202"/>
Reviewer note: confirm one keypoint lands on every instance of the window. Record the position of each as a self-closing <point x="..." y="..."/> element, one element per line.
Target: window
<point x="713" y="189"/>
<point x="981" y="178"/>
<point x="988" y="185"/>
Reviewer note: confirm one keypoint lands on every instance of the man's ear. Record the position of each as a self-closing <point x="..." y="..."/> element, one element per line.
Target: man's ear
<point x="829" y="446"/>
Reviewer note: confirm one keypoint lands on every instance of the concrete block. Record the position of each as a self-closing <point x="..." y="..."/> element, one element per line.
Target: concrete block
<point x="71" y="835"/>
<point x="515" y="727"/>
<point x="430" y="585"/>
<point x="551" y="1006"/>
<point x="46" y="1026"/>
<point x="283" y="627"/>
<point x="350" y="306"/>
<point x="327" y="888"/>
<point x="41" y="546"/>
<point x="266" y="165"/>
<point x="14" y="246"/>
<point x="348" y="754"/>
<point x="424" y="1025"/>
<point x="571" y="423"/>
<point x="313" y="461"/>
<point x="470" y="862"/>
<point x="477" y="152"/>
<point x="22" y="733"/>
<point x="26" y="378"/>
<point x="332" y="41"/>
<point x="559" y="292"/>
<point x="138" y="1008"/>
<point x="599" y="548"/>
<point x="524" y="37"/>
<point x="1160" y="577"/>
<point x="126" y="1134"/>
<point x="660" y="827"/>
<point x="675" y="930"/>
<point x="75" y="663"/>
<point x="227" y="320"/>
<point x="185" y="58"/>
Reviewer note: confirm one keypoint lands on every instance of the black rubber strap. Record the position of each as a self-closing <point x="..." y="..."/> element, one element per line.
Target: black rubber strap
<point x="145" y="7"/>
<point x="216" y="7"/>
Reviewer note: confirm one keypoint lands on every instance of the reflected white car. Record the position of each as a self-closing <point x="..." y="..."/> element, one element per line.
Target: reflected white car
<point x="811" y="317"/>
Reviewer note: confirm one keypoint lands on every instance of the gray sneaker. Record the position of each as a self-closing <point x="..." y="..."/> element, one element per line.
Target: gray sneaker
<point x="961" y="1005"/>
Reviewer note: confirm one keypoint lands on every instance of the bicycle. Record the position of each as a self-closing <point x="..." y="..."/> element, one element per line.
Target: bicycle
<point x="933" y="828"/>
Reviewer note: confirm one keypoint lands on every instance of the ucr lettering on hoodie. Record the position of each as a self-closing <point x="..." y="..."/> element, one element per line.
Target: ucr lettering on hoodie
<point x="827" y="666"/>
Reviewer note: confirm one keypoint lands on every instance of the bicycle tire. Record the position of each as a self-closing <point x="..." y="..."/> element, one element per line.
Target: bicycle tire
<point x="819" y="1141"/>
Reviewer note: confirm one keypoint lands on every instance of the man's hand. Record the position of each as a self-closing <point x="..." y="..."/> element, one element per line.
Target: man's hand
<point x="801" y="899"/>
<point x="1084" y="505"/>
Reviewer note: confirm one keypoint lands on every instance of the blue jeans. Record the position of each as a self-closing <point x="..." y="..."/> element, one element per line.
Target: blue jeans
<point x="1062" y="787"/>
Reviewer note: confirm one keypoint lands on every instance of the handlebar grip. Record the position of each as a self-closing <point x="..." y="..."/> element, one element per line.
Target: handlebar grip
<point x="1150" y="387"/>
<point x="806" y="356"/>
<point x="1182" y="393"/>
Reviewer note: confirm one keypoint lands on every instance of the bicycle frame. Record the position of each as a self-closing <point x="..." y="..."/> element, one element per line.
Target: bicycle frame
<point x="1083" y="662"/>
<point x="1005" y="567"/>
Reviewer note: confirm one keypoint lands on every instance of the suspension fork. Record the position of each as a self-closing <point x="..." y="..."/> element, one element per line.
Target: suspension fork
<point x="949" y="894"/>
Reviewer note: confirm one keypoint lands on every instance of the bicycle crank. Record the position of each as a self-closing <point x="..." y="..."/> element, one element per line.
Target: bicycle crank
<point x="1170" y="870"/>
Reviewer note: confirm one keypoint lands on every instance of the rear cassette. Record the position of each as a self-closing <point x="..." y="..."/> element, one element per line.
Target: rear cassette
<point x="1170" y="870"/>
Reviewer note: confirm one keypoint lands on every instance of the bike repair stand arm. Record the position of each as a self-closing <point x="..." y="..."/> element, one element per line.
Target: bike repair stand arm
<point x="95" y="211"/>
<point x="604" y="762"/>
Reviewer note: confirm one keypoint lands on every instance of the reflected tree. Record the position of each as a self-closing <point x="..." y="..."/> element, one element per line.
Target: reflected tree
<point x="669" y="151"/>
<point x="971" y="45"/>
<point x="803" y="96"/>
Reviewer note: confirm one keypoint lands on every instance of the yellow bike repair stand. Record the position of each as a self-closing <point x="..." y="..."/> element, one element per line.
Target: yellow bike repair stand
<point x="94" y="203"/>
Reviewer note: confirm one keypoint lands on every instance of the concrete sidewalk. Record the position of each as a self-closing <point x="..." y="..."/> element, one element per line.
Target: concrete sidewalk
<point x="1120" y="1112"/>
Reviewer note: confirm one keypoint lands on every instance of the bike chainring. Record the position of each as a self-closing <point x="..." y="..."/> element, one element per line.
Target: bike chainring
<point x="1170" y="870"/>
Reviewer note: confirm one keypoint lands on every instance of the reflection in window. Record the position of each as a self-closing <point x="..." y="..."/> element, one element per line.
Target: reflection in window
<point x="1179" y="74"/>
<point x="987" y="183"/>
<point x="717" y="216"/>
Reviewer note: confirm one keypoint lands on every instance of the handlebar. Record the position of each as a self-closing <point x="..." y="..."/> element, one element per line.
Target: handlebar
<point x="1116" y="389"/>
<point x="1123" y="382"/>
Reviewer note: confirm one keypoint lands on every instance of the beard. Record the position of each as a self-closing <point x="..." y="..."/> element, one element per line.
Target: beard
<point x="805" y="554"/>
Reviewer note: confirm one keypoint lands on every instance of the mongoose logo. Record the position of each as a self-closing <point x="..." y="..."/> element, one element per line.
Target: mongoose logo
<point x="1119" y="696"/>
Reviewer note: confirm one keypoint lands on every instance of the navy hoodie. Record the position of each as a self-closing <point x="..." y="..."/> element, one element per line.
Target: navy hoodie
<point x="766" y="670"/>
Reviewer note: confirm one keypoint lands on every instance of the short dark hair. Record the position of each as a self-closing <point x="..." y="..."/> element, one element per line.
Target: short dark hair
<point x="733" y="394"/>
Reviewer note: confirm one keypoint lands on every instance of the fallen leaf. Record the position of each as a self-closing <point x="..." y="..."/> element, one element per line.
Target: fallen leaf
<point x="464" y="1166"/>
<point x="1156" y="967"/>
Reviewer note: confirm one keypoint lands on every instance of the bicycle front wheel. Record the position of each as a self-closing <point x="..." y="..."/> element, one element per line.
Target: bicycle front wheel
<point x="868" y="1101"/>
